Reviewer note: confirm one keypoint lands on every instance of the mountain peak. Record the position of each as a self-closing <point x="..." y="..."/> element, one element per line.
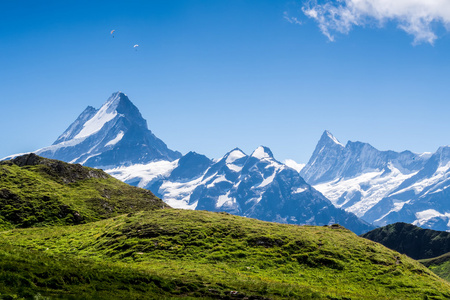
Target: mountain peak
<point x="262" y="152"/>
<point x="443" y="154"/>
<point x="236" y="150"/>
<point x="114" y="134"/>
<point x="119" y="102"/>
<point x="234" y="155"/>
<point x="328" y="137"/>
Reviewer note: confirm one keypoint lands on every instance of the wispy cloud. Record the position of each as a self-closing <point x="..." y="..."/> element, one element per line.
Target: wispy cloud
<point x="292" y="20"/>
<point x="416" y="17"/>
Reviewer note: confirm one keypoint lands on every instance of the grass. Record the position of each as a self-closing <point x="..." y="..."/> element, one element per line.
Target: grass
<point x="70" y="232"/>
<point x="439" y="265"/>
<point x="55" y="193"/>
<point x="178" y="253"/>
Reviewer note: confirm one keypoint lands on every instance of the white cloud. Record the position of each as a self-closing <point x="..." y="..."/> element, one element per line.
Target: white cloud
<point x="416" y="17"/>
<point x="292" y="20"/>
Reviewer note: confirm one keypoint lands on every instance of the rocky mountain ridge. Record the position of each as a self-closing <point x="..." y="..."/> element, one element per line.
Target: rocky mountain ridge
<point x="256" y="186"/>
<point x="115" y="134"/>
<point x="383" y="187"/>
<point x="116" y="138"/>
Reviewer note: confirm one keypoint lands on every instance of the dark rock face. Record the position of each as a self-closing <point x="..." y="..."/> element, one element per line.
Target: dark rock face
<point x="190" y="166"/>
<point x="68" y="173"/>
<point x="27" y="160"/>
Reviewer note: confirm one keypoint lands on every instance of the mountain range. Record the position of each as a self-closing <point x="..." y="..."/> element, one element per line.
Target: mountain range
<point x="353" y="184"/>
<point x="116" y="138"/>
<point x="383" y="187"/>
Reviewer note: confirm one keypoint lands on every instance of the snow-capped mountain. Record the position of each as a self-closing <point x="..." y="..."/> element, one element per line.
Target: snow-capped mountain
<point x="331" y="160"/>
<point x="423" y="199"/>
<point x="116" y="138"/>
<point x="256" y="186"/>
<point x="382" y="187"/>
<point x="115" y="134"/>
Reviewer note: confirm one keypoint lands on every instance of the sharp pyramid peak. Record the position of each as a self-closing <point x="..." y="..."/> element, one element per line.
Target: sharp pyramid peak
<point x="327" y="136"/>
<point x="116" y="99"/>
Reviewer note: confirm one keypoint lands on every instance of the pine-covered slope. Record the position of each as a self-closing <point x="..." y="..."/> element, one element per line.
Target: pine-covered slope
<point x="182" y="253"/>
<point x="36" y="191"/>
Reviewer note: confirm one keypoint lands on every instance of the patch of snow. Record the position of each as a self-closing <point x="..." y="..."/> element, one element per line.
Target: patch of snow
<point x="234" y="168"/>
<point x="334" y="139"/>
<point x="299" y="190"/>
<point x="221" y="178"/>
<point x="65" y="144"/>
<point x="426" y="155"/>
<point x="84" y="161"/>
<point x="177" y="194"/>
<point x="105" y="114"/>
<point x="293" y="164"/>
<point x="234" y="155"/>
<point x="181" y="204"/>
<point x="116" y="139"/>
<point x="398" y="205"/>
<point x="268" y="180"/>
<point x="425" y="215"/>
<point x="225" y="200"/>
<point x="144" y="172"/>
<point x="255" y="199"/>
<point x="373" y="187"/>
<point x="441" y="174"/>
<point x="260" y="153"/>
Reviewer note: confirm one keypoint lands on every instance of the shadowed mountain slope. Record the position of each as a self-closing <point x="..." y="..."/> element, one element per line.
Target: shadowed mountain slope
<point x="411" y="240"/>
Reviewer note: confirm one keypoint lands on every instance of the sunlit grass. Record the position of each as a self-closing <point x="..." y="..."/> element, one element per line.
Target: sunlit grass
<point x="204" y="254"/>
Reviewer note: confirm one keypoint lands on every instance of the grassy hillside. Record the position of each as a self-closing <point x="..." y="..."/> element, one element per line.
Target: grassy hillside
<point x="179" y="253"/>
<point x="411" y="240"/>
<point x="36" y="191"/>
<point x="439" y="265"/>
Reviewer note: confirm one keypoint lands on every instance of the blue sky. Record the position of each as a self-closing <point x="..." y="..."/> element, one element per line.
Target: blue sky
<point x="213" y="75"/>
